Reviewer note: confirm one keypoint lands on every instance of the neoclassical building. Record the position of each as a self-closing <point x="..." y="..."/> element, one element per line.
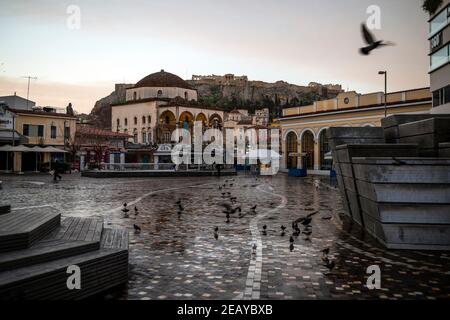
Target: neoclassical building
<point x="303" y="129"/>
<point x="157" y="105"/>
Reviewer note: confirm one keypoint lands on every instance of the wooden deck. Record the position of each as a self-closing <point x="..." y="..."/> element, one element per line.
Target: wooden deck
<point x="40" y="271"/>
<point x="21" y="229"/>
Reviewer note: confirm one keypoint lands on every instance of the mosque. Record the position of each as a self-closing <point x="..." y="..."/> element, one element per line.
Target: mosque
<point x="153" y="109"/>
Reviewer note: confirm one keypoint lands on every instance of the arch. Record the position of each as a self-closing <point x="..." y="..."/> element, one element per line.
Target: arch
<point x="186" y="120"/>
<point x="305" y="131"/>
<point x="322" y="130"/>
<point x="168" y="118"/>
<point x="201" y="117"/>
<point x="308" y="143"/>
<point x="324" y="148"/>
<point x="288" y="132"/>
<point x="215" y="121"/>
<point x="291" y="147"/>
<point x="371" y="125"/>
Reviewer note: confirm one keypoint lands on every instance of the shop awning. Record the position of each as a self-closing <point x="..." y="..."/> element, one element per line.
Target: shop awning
<point x="54" y="150"/>
<point x="37" y="149"/>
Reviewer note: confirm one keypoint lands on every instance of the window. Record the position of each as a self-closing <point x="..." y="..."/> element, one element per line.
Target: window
<point x="126" y="122"/>
<point x="118" y="123"/>
<point x="149" y="118"/>
<point x="30" y="130"/>
<point x="143" y="120"/>
<point x="447" y="94"/>
<point x="441" y="96"/>
<point x="160" y="93"/>
<point x="53" y="132"/>
<point x="144" y="137"/>
<point x="135" y="121"/>
<point x="149" y="137"/>
<point x="26" y="130"/>
<point x="439" y="21"/>
<point x="436" y="98"/>
<point x="66" y="132"/>
<point x="186" y="96"/>
<point x="440" y="57"/>
<point x="135" y="96"/>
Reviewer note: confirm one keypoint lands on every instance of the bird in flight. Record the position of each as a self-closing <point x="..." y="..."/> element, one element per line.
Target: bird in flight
<point x="371" y="42"/>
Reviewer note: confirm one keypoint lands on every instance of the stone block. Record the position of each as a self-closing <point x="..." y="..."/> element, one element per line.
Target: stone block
<point x="444" y="150"/>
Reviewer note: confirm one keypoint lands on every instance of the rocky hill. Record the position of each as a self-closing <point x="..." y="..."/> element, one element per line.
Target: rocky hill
<point x="229" y="92"/>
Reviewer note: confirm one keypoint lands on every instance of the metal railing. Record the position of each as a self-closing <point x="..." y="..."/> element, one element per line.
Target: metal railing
<point x="160" y="167"/>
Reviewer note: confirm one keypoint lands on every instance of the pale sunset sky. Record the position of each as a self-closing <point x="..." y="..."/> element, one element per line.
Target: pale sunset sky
<point x="297" y="41"/>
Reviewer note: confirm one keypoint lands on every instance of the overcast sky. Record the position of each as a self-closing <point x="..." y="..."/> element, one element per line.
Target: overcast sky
<point x="124" y="40"/>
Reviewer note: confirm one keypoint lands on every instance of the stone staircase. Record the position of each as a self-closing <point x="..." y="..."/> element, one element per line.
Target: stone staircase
<point x="395" y="179"/>
<point x="37" y="247"/>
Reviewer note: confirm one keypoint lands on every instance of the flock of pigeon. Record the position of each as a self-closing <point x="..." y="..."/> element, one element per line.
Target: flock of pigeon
<point x="232" y="208"/>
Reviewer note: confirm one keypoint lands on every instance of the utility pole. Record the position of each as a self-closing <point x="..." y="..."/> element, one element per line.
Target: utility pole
<point x="28" y="89"/>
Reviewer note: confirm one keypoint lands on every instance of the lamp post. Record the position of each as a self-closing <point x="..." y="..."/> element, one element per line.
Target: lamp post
<point x="385" y="91"/>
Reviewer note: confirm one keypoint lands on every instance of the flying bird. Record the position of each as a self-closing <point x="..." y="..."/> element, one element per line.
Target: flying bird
<point x="371" y="42"/>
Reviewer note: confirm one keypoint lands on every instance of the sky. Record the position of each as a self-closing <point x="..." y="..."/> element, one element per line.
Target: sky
<point x="120" y="41"/>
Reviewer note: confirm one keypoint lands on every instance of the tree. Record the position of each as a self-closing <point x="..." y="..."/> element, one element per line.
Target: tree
<point x="431" y="6"/>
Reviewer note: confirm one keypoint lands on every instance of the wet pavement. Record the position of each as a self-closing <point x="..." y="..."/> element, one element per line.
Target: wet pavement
<point x="178" y="257"/>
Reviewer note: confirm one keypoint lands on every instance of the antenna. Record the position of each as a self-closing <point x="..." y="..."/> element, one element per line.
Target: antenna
<point x="28" y="89"/>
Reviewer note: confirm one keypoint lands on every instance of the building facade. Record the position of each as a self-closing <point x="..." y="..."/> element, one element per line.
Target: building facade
<point x="42" y="129"/>
<point x="154" y="108"/>
<point x="93" y="147"/>
<point x="439" y="38"/>
<point x="303" y="129"/>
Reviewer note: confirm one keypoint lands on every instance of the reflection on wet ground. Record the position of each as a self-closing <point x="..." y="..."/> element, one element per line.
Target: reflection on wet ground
<point x="177" y="256"/>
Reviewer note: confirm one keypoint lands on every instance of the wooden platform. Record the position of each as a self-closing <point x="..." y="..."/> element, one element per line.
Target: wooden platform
<point x="21" y="229"/>
<point x="40" y="270"/>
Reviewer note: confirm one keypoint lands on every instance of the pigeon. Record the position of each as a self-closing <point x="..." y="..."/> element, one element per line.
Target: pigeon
<point x="283" y="228"/>
<point x="326" y="251"/>
<point x="291" y="240"/>
<point x="254" y="207"/>
<point x="254" y="247"/>
<point x="265" y="227"/>
<point x="307" y="221"/>
<point x="330" y="265"/>
<point x="291" y="247"/>
<point x="137" y="229"/>
<point x="136" y="211"/>
<point x="372" y="43"/>
<point x="216" y="229"/>
<point x="216" y="236"/>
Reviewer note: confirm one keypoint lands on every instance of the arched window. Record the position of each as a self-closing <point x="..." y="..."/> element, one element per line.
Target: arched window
<point x="126" y="121"/>
<point x="118" y="123"/>
<point x="143" y="120"/>
<point x="291" y="151"/>
<point x="135" y="96"/>
<point x="308" y="148"/>
<point x="186" y="96"/>
<point x="149" y="118"/>
<point x="160" y="93"/>
<point x="135" y="136"/>
<point x="325" y="164"/>
<point x="135" y="121"/>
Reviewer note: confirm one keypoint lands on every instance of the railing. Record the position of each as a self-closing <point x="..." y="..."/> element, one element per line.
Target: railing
<point x="160" y="167"/>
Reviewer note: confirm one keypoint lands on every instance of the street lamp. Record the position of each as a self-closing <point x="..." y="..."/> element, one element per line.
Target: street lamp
<point x="385" y="91"/>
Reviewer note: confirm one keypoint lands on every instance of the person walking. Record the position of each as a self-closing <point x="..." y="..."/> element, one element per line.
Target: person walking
<point x="56" y="171"/>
